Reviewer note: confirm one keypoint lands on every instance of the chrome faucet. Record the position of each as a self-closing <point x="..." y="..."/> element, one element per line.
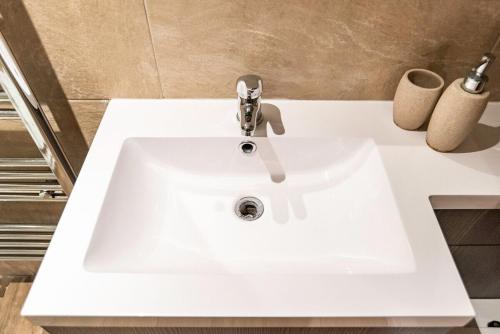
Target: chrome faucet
<point x="249" y="89"/>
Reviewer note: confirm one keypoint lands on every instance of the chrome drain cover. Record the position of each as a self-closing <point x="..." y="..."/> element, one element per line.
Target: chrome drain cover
<point x="249" y="208"/>
<point x="247" y="147"/>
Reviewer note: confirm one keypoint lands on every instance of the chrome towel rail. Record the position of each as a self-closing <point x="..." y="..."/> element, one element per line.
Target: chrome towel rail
<point x="7" y="110"/>
<point x="8" y="114"/>
<point x="20" y="252"/>
<point x="26" y="237"/>
<point x="31" y="113"/>
<point x="32" y="179"/>
<point x="47" y="196"/>
<point x="22" y="242"/>
<point x="20" y="258"/>
<point x="27" y="176"/>
<point x="28" y="180"/>
<point x="18" y="228"/>
<point x="13" y="188"/>
<point x="32" y="198"/>
<point x="5" y="103"/>
<point x="23" y="163"/>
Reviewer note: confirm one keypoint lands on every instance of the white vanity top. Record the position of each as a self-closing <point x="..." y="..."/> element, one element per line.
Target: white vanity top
<point x="427" y="293"/>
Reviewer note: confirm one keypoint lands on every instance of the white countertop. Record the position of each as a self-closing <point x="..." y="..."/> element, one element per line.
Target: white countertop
<point x="433" y="295"/>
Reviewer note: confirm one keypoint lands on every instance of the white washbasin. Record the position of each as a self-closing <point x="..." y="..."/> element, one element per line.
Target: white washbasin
<point x="347" y="237"/>
<point x="170" y="208"/>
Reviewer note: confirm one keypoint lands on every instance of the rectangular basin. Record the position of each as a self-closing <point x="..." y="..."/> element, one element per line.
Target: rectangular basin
<point x="171" y="207"/>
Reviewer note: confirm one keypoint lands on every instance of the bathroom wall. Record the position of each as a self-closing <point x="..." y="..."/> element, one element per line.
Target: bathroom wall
<point x="88" y="51"/>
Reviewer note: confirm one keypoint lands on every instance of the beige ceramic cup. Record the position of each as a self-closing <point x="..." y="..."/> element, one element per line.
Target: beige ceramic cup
<point x="417" y="94"/>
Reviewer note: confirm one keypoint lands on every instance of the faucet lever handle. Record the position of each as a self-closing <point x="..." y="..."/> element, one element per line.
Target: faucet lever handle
<point x="249" y="86"/>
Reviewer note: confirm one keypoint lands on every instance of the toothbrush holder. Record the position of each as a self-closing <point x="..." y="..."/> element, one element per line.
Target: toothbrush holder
<point x="416" y="95"/>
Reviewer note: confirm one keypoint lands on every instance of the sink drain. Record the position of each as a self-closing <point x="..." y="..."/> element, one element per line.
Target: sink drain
<point x="249" y="208"/>
<point x="248" y="147"/>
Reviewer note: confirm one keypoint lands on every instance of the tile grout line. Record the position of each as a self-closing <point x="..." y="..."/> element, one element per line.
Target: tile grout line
<point x="153" y="47"/>
<point x="90" y="100"/>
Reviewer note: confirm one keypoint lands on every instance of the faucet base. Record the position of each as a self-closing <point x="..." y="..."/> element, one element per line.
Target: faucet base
<point x="260" y="117"/>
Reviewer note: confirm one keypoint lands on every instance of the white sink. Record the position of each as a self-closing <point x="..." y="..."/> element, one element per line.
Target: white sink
<point x="347" y="237"/>
<point x="170" y="208"/>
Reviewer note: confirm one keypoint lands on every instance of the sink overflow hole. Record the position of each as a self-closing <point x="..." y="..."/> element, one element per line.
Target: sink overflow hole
<point x="249" y="208"/>
<point x="248" y="147"/>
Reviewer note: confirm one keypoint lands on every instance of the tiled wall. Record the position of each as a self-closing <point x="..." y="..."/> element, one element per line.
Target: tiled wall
<point x="304" y="49"/>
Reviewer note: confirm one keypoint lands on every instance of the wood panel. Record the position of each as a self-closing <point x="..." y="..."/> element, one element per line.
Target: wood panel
<point x="144" y="330"/>
<point x="19" y="268"/>
<point x="470" y="227"/>
<point x="43" y="212"/>
<point x="479" y="267"/>
<point x="11" y="321"/>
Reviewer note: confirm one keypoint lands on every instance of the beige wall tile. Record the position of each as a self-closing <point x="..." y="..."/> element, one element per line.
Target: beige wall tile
<point x="89" y="115"/>
<point x="15" y="141"/>
<point x="98" y="49"/>
<point x="81" y="49"/>
<point x="317" y="49"/>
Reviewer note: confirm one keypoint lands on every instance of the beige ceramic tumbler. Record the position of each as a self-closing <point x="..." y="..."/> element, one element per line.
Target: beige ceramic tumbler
<point x="416" y="95"/>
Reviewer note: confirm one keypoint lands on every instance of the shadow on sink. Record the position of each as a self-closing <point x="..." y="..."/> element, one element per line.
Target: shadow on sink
<point x="272" y="116"/>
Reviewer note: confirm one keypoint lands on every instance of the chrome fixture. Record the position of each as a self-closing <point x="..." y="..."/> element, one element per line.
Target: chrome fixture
<point x="28" y="180"/>
<point x="249" y="208"/>
<point x="247" y="147"/>
<point x="30" y="112"/>
<point x="476" y="79"/>
<point x="7" y="111"/>
<point x="20" y="242"/>
<point x="249" y="89"/>
<point x="25" y="244"/>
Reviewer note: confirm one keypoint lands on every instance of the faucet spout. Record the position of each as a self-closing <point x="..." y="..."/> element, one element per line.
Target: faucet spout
<point x="249" y="89"/>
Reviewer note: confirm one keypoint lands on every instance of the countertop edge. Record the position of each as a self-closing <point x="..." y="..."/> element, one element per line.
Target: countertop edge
<point x="226" y="322"/>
